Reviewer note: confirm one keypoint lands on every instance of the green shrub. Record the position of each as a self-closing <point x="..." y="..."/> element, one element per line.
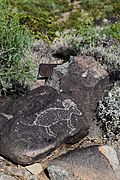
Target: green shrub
<point x="41" y="8"/>
<point x="101" y="8"/>
<point x="14" y="43"/>
<point x="40" y="16"/>
<point x="43" y="18"/>
<point x="92" y="41"/>
<point x="39" y="27"/>
<point x="116" y="30"/>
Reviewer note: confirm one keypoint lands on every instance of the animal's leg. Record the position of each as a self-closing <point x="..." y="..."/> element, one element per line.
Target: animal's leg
<point x="50" y="133"/>
<point x="69" y="124"/>
<point x="7" y="116"/>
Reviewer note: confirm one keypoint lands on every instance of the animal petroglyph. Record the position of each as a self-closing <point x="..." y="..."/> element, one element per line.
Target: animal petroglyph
<point x="57" y="115"/>
<point x="7" y="116"/>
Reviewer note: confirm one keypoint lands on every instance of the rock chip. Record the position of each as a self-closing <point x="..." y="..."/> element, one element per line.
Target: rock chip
<point x="84" y="79"/>
<point x="45" y="70"/>
<point x="35" y="169"/>
<point x="39" y="123"/>
<point x="9" y="171"/>
<point x="111" y="155"/>
<point x="6" y="177"/>
<point x="86" y="163"/>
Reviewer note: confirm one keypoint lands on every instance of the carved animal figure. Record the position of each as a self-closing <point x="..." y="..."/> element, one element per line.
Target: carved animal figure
<point x="7" y="116"/>
<point x="57" y="115"/>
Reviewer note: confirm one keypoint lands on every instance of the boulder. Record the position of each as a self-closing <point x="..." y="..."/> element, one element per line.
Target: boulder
<point x="30" y="103"/>
<point x="84" y="80"/>
<point x="38" y="123"/>
<point x="87" y="163"/>
<point x="45" y="70"/>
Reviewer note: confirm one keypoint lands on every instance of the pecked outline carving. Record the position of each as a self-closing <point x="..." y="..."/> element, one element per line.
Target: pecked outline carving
<point x="58" y="115"/>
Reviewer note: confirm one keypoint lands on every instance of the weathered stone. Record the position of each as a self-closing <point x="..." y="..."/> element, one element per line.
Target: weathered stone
<point x="35" y="169"/>
<point x="6" y="177"/>
<point x="45" y="70"/>
<point x="9" y="171"/>
<point x="38" y="123"/>
<point x="85" y="163"/>
<point x="37" y="84"/>
<point x="2" y="165"/>
<point x="1" y="158"/>
<point x="17" y="171"/>
<point x="84" y="80"/>
<point x="42" y="176"/>
<point x="111" y="155"/>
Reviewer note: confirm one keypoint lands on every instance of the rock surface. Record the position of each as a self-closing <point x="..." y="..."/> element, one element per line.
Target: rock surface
<point x="45" y="70"/>
<point x="31" y="103"/>
<point x="35" y="169"/>
<point x="38" y="123"/>
<point x="9" y="171"/>
<point x="94" y="158"/>
<point x="85" y="163"/>
<point x="84" y="79"/>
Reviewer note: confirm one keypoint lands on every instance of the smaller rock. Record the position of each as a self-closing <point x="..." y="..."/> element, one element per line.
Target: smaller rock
<point x="42" y="121"/>
<point x="2" y="165"/>
<point x="45" y="70"/>
<point x="85" y="163"/>
<point x="1" y="158"/>
<point x="37" y="84"/>
<point x="58" y="173"/>
<point x="6" y="177"/>
<point x="111" y="155"/>
<point x="35" y="169"/>
<point x="18" y="171"/>
<point x="42" y="176"/>
<point x="84" y="80"/>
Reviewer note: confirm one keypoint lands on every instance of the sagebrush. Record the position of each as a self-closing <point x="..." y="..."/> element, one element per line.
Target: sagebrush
<point x="15" y="41"/>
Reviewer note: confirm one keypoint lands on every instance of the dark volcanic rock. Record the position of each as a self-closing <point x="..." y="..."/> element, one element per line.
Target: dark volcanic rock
<point x="86" y="163"/>
<point x="84" y="80"/>
<point x="38" y="123"/>
<point x="3" y="120"/>
<point x="30" y="103"/>
<point x="45" y="70"/>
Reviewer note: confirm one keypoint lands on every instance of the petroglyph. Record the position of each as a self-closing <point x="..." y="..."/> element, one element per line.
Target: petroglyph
<point x="7" y="116"/>
<point x="85" y="74"/>
<point x="57" y="115"/>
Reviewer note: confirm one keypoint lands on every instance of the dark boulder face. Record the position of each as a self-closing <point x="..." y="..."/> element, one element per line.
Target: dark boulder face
<point x="38" y="123"/>
<point x="3" y="120"/>
<point x="45" y="70"/>
<point x="86" y="163"/>
<point x="30" y="103"/>
<point x="84" y="80"/>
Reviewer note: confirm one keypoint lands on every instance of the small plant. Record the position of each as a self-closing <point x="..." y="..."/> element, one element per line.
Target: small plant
<point x="91" y="41"/>
<point x="15" y="41"/>
<point x="108" y="114"/>
<point x="39" y="27"/>
<point x="116" y="30"/>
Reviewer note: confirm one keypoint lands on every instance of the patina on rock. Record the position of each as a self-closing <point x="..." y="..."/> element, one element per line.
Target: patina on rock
<point x="82" y="163"/>
<point x="84" y="80"/>
<point x="38" y="123"/>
